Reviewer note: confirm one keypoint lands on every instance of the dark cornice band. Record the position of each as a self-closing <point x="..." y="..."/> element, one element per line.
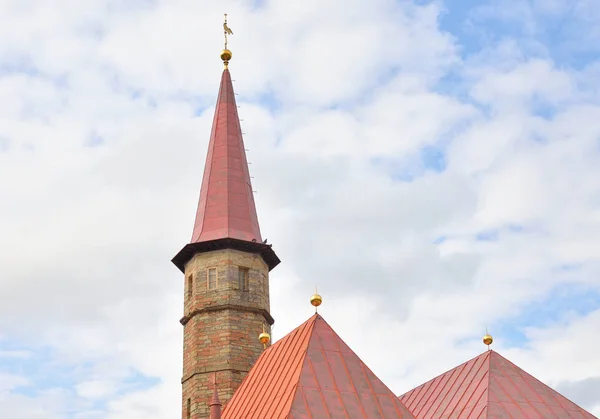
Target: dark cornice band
<point x="222" y="307"/>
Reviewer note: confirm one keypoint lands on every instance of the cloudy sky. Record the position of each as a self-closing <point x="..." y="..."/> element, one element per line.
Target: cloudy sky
<point x="433" y="166"/>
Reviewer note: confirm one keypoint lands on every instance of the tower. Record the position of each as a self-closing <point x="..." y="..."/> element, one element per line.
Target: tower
<point x="226" y="268"/>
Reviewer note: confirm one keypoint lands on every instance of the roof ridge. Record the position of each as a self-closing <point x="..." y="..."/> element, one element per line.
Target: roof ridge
<point x="478" y="369"/>
<point x="489" y="380"/>
<point x="422" y="399"/>
<point x="495" y="387"/>
<point x="313" y="373"/>
<point x="342" y="362"/>
<point x="365" y="369"/>
<point x="305" y="342"/>
<point x="337" y="344"/>
<point x="445" y="372"/>
<point x="471" y="366"/>
<point x="327" y="364"/>
<point x="272" y="357"/>
<point x="551" y="391"/>
<point x="512" y="382"/>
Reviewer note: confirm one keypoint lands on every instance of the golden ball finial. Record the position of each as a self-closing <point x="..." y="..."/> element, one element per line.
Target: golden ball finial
<point x="226" y="56"/>
<point x="316" y="300"/>
<point x="264" y="338"/>
<point x="488" y="339"/>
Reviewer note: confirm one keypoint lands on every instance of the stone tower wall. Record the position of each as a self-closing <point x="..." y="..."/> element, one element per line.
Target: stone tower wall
<point x="221" y="325"/>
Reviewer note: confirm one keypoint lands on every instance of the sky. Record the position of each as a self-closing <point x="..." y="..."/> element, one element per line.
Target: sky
<point x="432" y="166"/>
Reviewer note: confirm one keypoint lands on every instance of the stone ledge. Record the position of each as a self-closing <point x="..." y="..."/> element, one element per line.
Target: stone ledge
<point x="223" y="307"/>
<point x="200" y="371"/>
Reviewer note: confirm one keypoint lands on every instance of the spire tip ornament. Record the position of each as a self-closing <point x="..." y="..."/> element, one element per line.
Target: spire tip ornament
<point x="215" y="404"/>
<point x="316" y="300"/>
<point x="488" y="339"/>
<point x="226" y="53"/>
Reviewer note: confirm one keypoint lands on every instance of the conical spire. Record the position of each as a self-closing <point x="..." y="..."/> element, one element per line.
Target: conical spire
<point x="226" y="216"/>
<point x="215" y="405"/>
<point x="226" y="208"/>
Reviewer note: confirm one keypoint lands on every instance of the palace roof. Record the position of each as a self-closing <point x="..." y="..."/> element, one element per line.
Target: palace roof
<point x="312" y="373"/>
<point x="489" y="386"/>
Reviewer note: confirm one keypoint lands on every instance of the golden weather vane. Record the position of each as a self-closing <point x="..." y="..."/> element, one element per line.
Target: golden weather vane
<point x="226" y="30"/>
<point x="226" y="54"/>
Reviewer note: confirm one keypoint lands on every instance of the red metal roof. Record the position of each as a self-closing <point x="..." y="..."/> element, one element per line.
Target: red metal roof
<point x="312" y="373"/>
<point x="226" y="208"/>
<point x="489" y="386"/>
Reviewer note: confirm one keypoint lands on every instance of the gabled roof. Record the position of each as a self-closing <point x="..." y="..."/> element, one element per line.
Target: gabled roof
<point x="226" y="207"/>
<point x="489" y="386"/>
<point x="312" y="373"/>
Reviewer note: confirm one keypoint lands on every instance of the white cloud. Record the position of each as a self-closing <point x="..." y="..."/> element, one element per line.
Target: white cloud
<point x="533" y="80"/>
<point x="15" y="354"/>
<point x="11" y="381"/>
<point x="95" y="389"/>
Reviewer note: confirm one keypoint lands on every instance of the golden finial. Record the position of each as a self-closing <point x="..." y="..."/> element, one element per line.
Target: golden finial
<point x="226" y="54"/>
<point x="316" y="300"/>
<point x="264" y="337"/>
<point x="488" y="339"/>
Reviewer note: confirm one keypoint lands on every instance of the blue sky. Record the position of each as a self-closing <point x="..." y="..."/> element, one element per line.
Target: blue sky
<point x="558" y="305"/>
<point x="439" y="158"/>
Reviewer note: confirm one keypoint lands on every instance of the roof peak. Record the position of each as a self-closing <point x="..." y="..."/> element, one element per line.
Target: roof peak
<point x="311" y="372"/>
<point x="489" y="385"/>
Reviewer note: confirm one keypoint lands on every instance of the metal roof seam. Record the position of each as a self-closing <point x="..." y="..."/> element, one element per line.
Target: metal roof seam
<point x="299" y="388"/>
<point x="468" y="375"/>
<point x="332" y="375"/>
<point x="414" y="395"/>
<point x="489" y="374"/>
<point x="435" y="384"/>
<point x="433" y="395"/>
<point x="363" y="366"/>
<point x="442" y="396"/>
<point x="291" y="346"/>
<point x="225" y="171"/>
<point x="482" y="412"/>
<point x="312" y="372"/>
<point x="552" y="393"/>
<point x="513" y="401"/>
<point x="260" y="397"/>
<point x="309" y="363"/>
<point x="450" y="396"/>
<point x="482" y="365"/>
<point x="301" y="353"/>
<point x="207" y="168"/>
<point x="527" y="381"/>
<point x="362" y="408"/>
<point x="482" y="397"/>
<point x="290" y="395"/>
<point x="241" y="395"/>
<point x="260" y="366"/>
<point x="396" y="408"/>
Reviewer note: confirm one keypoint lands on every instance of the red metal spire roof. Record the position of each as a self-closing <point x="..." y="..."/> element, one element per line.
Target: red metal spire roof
<point x="215" y="405"/>
<point x="489" y="386"/>
<point x="226" y="216"/>
<point x="312" y="373"/>
<point x="226" y="208"/>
